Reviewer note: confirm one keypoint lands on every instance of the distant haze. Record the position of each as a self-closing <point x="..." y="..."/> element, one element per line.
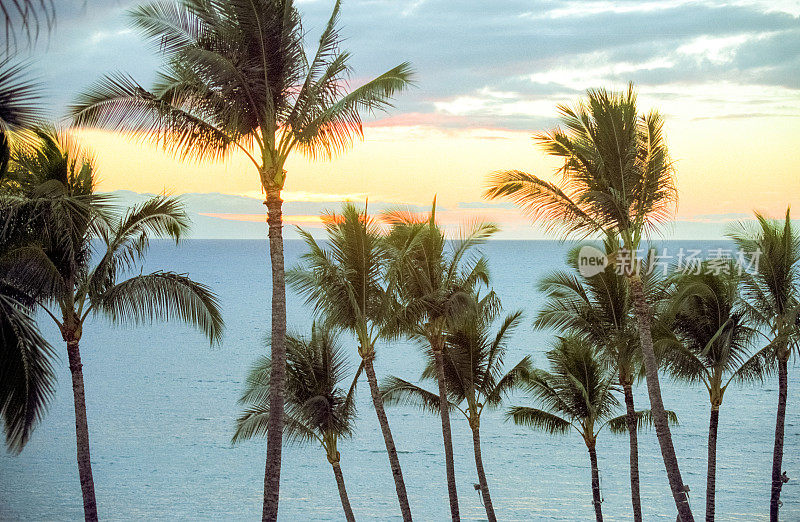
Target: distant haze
<point x="225" y="216"/>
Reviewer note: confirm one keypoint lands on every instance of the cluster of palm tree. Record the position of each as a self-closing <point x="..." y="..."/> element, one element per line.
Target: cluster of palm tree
<point x="380" y="279"/>
<point x="68" y="253"/>
<point x="237" y="78"/>
<point x="617" y="183"/>
<point x="71" y="254"/>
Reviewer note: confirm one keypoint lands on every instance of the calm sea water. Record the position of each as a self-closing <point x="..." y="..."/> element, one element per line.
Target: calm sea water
<point x="161" y="407"/>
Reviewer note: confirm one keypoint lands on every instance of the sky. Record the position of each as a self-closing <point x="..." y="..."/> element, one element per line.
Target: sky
<point x="489" y="75"/>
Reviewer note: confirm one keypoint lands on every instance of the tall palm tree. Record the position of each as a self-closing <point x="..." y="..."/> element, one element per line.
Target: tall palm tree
<point x="577" y="393"/>
<point x="344" y="280"/>
<point x="771" y="249"/>
<point x="616" y="179"/>
<point x="433" y="279"/>
<point x="711" y="345"/>
<point x="317" y="408"/>
<point x="599" y="309"/>
<point x="237" y="78"/>
<point x="57" y="270"/>
<point x="473" y="371"/>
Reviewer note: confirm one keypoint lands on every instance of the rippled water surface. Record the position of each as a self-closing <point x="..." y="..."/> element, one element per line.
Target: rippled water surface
<point x="161" y="406"/>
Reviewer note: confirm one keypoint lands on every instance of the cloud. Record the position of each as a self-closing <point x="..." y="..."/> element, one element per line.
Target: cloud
<point x="504" y="67"/>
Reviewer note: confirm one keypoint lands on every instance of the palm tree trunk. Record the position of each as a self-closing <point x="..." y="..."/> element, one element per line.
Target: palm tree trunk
<point x="632" y="422"/>
<point x="82" y="432"/>
<point x="277" y="378"/>
<point x="656" y="404"/>
<point x="487" y="500"/>
<point x="447" y="436"/>
<point x="348" y="511"/>
<point x="711" y="477"/>
<point x="777" y="454"/>
<point x="596" y="501"/>
<point x="394" y="461"/>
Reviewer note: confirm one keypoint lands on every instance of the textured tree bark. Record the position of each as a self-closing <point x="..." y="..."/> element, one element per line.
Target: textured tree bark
<point x="598" y="510"/>
<point x="348" y="511"/>
<point x="656" y="403"/>
<point x="487" y="499"/>
<point x="82" y="432"/>
<point x="391" y="450"/>
<point x="631" y="421"/>
<point x="777" y="454"/>
<point x="277" y="378"/>
<point x="446" y="433"/>
<point x="711" y="477"/>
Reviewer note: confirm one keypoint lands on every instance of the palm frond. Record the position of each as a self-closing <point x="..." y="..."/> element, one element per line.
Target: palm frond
<point x="19" y="98"/>
<point x="399" y="392"/>
<point x="254" y="421"/>
<point x="644" y="419"/>
<point x="539" y="420"/>
<point x="163" y="296"/>
<point x="117" y="102"/>
<point x="543" y="201"/>
<point x="335" y="128"/>
<point x="128" y="239"/>
<point x="25" y="19"/>
<point x="26" y="372"/>
<point x="516" y="377"/>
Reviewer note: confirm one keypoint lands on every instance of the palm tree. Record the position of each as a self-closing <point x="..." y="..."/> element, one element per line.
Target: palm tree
<point x="772" y="288"/>
<point x="433" y="279"/>
<point x="473" y="371"/>
<point x="576" y="393"/>
<point x="57" y="271"/>
<point x="317" y="408"/>
<point x="344" y="280"/>
<point x="617" y="179"/>
<point x="237" y="77"/>
<point x="710" y="345"/>
<point x="598" y="308"/>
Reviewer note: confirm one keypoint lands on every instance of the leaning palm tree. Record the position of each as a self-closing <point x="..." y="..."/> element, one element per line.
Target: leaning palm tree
<point x="317" y="408"/>
<point x="577" y="393"/>
<point x="473" y="372"/>
<point x="617" y="179"/>
<point x="598" y="308"/>
<point x="57" y="272"/>
<point x="344" y="280"/>
<point x="771" y="249"/>
<point x="711" y="345"/>
<point x="433" y="279"/>
<point x="237" y="78"/>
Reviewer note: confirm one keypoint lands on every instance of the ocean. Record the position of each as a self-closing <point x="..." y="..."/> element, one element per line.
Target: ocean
<point x="162" y="403"/>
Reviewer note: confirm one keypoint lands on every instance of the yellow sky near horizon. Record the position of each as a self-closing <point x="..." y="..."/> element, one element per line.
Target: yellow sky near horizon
<point x="724" y="166"/>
